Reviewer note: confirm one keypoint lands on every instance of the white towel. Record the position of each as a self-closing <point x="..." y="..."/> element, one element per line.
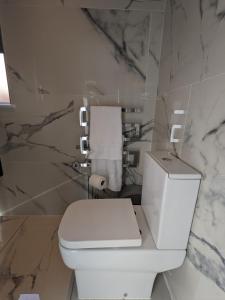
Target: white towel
<point x="106" y="144"/>
<point x="110" y="169"/>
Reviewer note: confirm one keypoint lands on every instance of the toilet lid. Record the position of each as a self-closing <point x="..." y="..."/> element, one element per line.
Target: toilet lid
<point x="99" y="223"/>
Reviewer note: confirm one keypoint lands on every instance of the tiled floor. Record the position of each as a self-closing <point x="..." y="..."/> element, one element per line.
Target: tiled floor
<point x="30" y="261"/>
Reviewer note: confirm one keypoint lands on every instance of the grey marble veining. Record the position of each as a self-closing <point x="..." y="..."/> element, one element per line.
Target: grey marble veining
<point x="105" y="52"/>
<point x="151" y="5"/>
<point x="58" y="186"/>
<point x="144" y="5"/>
<point x="211" y="264"/>
<point x="30" y="261"/>
<point x="192" y="78"/>
<point x="128" y="32"/>
<point x="132" y="3"/>
<point x="18" y="136"/>
<point x="18" y="77"/>
<point x="193" y="58"/>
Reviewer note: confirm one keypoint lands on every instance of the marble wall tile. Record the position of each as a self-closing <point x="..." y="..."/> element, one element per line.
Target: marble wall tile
<point x="188" y="283"/>
<point x="192" y="78"/>
<point x="161" y="133"/>
<point x="126" y="33"/>
<point x="52" y="202"/>
<point x="70" y="76"/>
<point x="165" y="117"/>
<point x="41" y="184"/>
<point x="122" y="48"/>
<point x="200" y="54"/>
<point x="203" y="147"/>
<point x="36" y="138"/>
<point x="155" y="41"/>
<point x="153" y="5"/>
<point x="166" y="58"/>
<point x="65" y="52"/>
<point x="45" y="174"/>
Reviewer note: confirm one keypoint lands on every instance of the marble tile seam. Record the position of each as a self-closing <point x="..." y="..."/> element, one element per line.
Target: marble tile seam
<point x="42" y="194"/>
<point x="190" y="85"/>
<point x="118" y="48"/>
<point x="14" y="234"/>
<point x="186" y="117"/>
<point x="148" y="50"/>
<point x="165" y="4"/>
<point x="161" y="43"/>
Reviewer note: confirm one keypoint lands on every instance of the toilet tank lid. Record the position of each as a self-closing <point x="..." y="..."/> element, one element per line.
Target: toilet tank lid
<point x="99" y="223"/>
<point x="173" y="166"/>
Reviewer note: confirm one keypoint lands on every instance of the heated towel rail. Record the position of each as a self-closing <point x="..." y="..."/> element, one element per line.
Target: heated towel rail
<point x="131" y="133"/>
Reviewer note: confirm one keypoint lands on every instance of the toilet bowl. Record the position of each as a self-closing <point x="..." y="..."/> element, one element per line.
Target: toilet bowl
<point x="117" y="249"/>
<point x="122" y="272"/>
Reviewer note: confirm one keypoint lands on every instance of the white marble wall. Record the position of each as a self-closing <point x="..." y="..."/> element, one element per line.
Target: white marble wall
<point x="192" y="77"/>
<point x="57" y="52"/>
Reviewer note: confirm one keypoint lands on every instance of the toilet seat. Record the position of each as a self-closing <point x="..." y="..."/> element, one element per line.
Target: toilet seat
<point x="99" y="223"/>
<point x="146" y="257"/>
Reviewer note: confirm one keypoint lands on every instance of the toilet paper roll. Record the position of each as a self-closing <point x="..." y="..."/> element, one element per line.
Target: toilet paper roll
<point x="98" y="182"/>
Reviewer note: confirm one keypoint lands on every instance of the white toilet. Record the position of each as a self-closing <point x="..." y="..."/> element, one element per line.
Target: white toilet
<point x="117" y="249"/>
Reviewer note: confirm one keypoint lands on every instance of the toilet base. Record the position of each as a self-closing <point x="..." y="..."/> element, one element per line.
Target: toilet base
<point x="103" y="284"/>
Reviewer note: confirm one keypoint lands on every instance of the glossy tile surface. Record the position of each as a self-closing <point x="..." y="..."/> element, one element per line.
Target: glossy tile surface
<point x="108" y="53"/>
<point x="30" y="261"/>
<point x="192" y="78"/>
